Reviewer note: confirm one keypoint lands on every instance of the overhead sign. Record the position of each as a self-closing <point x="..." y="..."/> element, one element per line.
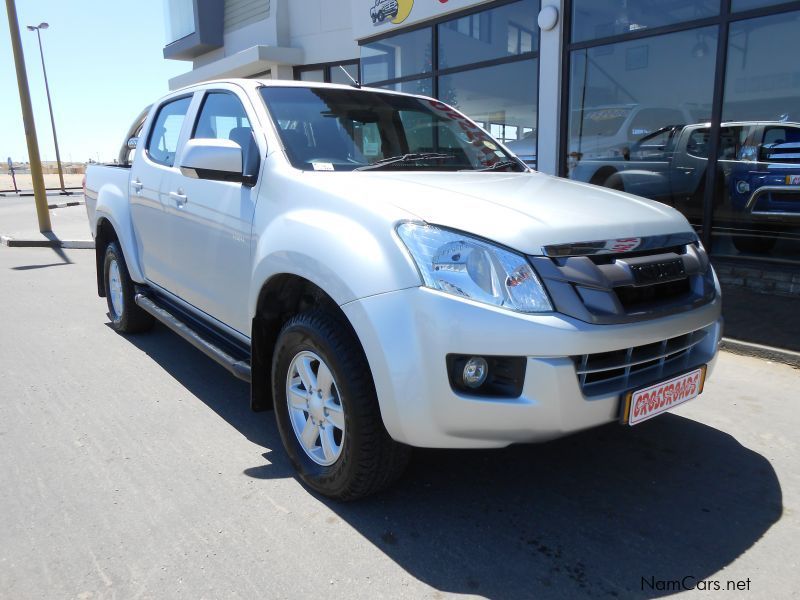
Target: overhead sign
<point x="377" y="17"/>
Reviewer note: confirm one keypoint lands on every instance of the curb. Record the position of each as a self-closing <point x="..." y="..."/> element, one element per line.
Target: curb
<point x="65" y="204"/>
<point x="11" y="242"/>
<point x="72" y="191"/>
<point x="780" y="355"/>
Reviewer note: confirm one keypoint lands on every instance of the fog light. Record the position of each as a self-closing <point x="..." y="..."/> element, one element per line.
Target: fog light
<point x="475" y="372"/>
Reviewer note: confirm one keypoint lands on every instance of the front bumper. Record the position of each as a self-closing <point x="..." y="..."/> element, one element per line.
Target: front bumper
<point x="407" y="334"/>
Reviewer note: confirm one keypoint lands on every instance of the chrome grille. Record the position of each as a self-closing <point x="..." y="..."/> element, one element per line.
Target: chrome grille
<point x="604" y="372"/>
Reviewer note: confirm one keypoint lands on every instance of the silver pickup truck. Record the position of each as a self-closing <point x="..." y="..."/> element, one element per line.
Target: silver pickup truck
<point x="387" y="275"/>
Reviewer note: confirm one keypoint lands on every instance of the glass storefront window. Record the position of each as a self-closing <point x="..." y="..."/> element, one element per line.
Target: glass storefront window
<point x="502" y="99"/>
<point x="338" y="76"/>
<point x="398" y="56"/>
<point x="422" y="86"/>
<point x="313" y="75"/>
<point x="739" y="5"/>
<point x="639" y="113"/>
<point x="504" y="31"/>
<point x="328" y="73"/>
<point x="179" y="19"/>
<point x="757" y="204"/>
<point x="593" y="19"/>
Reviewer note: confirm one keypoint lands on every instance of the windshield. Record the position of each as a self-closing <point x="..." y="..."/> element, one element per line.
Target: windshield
<point x="325" y="129"/>
<point x="780" y="144"/>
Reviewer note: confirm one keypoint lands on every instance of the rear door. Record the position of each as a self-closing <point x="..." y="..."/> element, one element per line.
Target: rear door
<point x="154" y="161"/>
<point x="210" y="222"/>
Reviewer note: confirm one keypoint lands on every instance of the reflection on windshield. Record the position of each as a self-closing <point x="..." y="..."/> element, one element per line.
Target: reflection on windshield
<point x="326" y="129"/>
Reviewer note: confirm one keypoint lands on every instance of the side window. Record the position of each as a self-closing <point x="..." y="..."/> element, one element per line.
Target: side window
<point x="223" y="117"/>
<point x="648" y="120"/>
<point x="655" y="145"/>
<point x="163" y="142"/>
<point x="731" y="140"/>
<point x="780" y="144"/>
<point x="697" y="144"/>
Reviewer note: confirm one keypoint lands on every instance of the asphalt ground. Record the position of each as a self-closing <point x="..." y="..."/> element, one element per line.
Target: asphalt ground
<point x="131" y="467"/>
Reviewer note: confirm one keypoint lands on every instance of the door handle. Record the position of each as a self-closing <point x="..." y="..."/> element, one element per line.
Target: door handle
<point x="137" y="186"/>
<point x="179" y="197"/>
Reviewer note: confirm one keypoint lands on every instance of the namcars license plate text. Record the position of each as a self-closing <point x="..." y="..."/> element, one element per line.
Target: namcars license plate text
<point x="793" y="180"/>
<point x="651" y="401"/>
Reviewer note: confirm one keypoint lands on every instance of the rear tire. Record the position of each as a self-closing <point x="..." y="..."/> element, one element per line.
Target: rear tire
<point x="322" y="386"/>
<point x="125" y="314"/>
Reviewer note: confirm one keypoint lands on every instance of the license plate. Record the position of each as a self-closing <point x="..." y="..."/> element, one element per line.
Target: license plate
<point x="651" y="401"/>
<point x="793" y="180"/>
<point x="665" y="270"/>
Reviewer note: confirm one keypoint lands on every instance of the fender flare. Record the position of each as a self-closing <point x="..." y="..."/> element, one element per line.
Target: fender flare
<point x="114" y="207"/>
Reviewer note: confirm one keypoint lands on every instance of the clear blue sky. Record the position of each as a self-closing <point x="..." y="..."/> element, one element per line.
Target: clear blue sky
<point x="104" y="63"/>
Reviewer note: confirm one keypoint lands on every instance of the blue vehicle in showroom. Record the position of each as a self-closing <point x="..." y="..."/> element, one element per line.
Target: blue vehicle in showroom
<point x="765" y="184"/>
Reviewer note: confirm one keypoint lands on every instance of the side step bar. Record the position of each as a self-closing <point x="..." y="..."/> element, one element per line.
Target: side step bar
<point x="238" y="368"/>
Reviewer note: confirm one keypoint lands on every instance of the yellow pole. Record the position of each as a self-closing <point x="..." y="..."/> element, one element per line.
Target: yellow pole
<point x="39" y="193"/>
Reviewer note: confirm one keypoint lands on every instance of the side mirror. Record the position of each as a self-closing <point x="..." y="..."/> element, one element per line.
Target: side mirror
<point x="218" y="160"/>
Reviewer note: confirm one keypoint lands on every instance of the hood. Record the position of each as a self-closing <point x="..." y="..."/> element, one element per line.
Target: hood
<point x="524" y="211"/>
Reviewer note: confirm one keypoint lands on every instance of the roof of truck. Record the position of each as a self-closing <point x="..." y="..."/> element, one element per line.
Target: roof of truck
<point x="256" y="83"/>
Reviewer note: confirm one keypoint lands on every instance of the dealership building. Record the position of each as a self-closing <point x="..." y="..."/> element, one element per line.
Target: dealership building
<point x="695" y="103"/>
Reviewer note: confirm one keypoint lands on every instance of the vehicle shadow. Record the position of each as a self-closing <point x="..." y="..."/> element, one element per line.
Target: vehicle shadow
<point x="65" y="260"/>
<point x="611" y="512"/>
<point x="217" y="388"/>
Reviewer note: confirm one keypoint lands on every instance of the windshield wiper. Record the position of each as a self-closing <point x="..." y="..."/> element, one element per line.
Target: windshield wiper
<point x="412" y="157"/>
<point x="498" y="165"/>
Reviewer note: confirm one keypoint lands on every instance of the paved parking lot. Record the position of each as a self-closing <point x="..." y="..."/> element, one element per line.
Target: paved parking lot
<point x="132" y="468"/>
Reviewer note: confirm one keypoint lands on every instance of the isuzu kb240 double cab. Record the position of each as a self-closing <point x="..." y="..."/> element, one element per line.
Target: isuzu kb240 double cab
<point x="387" y="275"/>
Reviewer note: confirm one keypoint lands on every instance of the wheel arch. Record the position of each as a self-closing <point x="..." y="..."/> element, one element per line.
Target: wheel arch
<point x="603" y="174"/>
<point x="279" y="298"/>
<point x="113" y="211"/>
<point x="103" y="237"/>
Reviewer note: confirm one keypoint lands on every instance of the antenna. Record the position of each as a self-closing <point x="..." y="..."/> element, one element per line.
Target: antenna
<point x="350" y="77"/>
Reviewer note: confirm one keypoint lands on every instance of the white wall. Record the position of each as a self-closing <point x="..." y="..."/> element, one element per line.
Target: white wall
<point x="550" y="92"/>
<point x="323" y="29"/>
<point x="420" y="10"/>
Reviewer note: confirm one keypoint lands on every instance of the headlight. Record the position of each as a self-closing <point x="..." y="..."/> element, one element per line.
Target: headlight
<point x="464" y="266"/>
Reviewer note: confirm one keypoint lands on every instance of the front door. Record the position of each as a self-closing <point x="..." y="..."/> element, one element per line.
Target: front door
<point x="211" y="221"/>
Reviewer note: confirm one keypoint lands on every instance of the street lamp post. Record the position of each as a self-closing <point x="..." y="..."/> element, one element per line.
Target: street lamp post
<point x="39" y="193"/>
<point x="37" y="29"/>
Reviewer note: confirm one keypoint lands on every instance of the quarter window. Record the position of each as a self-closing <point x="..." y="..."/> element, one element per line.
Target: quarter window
<point x="163" y="142"/>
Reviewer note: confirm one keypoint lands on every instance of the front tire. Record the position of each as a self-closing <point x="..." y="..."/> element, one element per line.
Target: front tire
<point x="327" y="410"/>
<point x="125" y="314"/>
